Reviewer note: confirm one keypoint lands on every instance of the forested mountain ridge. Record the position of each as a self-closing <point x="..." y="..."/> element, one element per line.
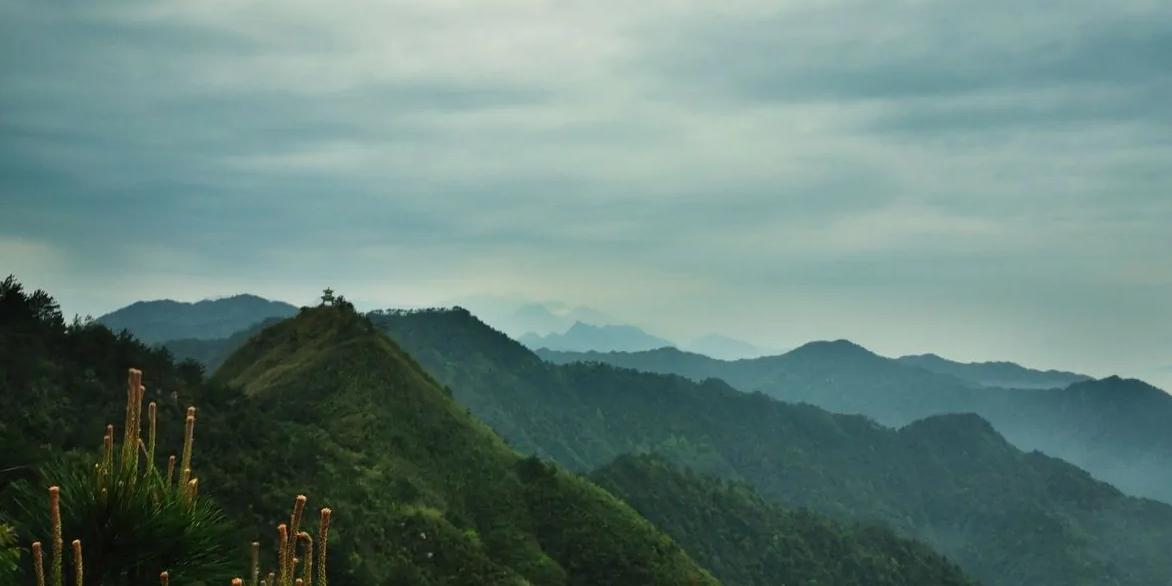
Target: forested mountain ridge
<point x="583" y="416"/>
<point x="165" y="319"/>
<point x="1006" y="375"/>
<point x="1114" y="428"/>
<point x="1007" y="517"/>
<point x="826" y="560"/>
<point x="408" y="454"/>
<point x="323" y="404"/>
<point x="746" y="541"/>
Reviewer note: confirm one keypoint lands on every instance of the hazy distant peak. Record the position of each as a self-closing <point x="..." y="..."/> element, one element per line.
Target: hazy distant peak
<point x="541" y="318"/>
<point x="1115" y="386"/>
<point x="995" y="374"/>
<point x="222" y="300"/>
<point x="166" y="319"/>
<point x="832" y="349"/>
<point x="581" y="326"/>
<point x="582" y="337"/>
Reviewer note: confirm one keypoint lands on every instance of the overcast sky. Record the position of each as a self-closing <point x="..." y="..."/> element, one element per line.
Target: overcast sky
<point x="982" y="179"/>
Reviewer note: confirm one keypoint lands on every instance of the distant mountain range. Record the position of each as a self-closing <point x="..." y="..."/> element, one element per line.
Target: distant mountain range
<point x="586" y="337"/>
<point x="996" y="374"/>
<point x="583" y="336"/>
<point x="1008" y="517"/>
<point x="518" y="315"/>
<point x="1117" y="429"/>
<point x="162" y="320"/>
<point x="1113" y="428"/>
<point x="541" y="318"/>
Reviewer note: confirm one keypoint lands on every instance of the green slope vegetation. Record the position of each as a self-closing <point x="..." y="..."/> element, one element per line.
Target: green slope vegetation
<point x="323" y="404"/>
<point x="1007" y="517"/>
<point x="747" y="542"/>
<point x="440" y="496"/>
<point x="1114" y="428"/>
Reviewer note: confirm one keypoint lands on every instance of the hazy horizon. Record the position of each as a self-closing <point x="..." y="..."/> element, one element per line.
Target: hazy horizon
<point x="497" y="313"/>
<point x="980" y="180"/>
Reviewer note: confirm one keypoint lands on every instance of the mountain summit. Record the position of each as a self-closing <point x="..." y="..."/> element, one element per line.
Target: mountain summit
<point x="436" y="497"/>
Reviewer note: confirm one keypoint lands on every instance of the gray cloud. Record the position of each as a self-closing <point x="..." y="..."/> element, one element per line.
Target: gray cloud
<point x="968" y="178"/>
<point x="882" y="50"/>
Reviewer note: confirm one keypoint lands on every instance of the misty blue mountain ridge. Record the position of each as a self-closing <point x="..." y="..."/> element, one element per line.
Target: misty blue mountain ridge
<point x="166" y="319"/>
<point x="933" y="479"/>
<point x="557" y="326"/>
<point x="1113" y="427"/>
<point x="583" y="336"/>
<point x="220" y="317"/>
<point x="1103" y="426"/>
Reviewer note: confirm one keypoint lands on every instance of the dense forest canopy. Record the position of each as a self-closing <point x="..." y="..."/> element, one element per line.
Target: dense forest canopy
<point x="1114" y="428"/>
<point x="308" y="391"/>
<point x="324" y="404"/>
<point x="1008" y="517"/>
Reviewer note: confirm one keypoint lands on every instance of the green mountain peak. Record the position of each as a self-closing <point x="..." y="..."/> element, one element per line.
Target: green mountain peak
<point x="391" y="446"/>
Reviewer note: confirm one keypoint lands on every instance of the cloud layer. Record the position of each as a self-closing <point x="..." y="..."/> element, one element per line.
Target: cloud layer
<point x="986" y="179"/>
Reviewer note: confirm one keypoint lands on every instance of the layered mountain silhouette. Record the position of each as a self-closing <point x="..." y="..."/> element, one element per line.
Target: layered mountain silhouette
<point x="1008" y="517"/>
<point x="540" y="317"/>
<point x="162" y="320"/>
<point x="996" y="374"/>
<point x="1117" y="429"/>
<point x="324" y="404"/>
<point x="584" y="336"/>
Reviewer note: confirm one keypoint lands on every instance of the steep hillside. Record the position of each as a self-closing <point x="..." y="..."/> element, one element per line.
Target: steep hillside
<point x="746" y="541"/>
<point x="1008" y="517"/>
<point x="162" y="320"/>
<point x="435" y="497"/>
<point x="422" y="493"/>
<point x="1116" y="429"/>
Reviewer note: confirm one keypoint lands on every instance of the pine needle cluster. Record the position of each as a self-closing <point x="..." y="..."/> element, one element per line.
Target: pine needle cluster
<point x="293" y="569"/>
<point x="134" y="523"/>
